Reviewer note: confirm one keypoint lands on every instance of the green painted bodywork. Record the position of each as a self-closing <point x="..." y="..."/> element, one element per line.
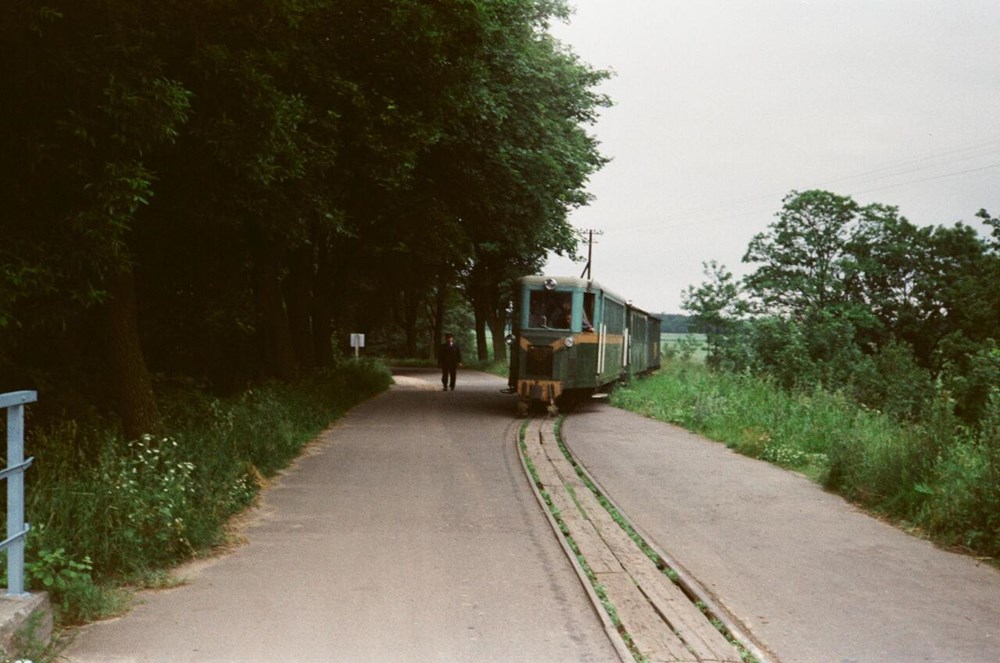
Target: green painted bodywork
<point x="579" y="367"/>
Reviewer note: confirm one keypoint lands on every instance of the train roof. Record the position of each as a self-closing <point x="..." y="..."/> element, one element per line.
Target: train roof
<point x="576" y="282"/>
<point x="570" y="281"/>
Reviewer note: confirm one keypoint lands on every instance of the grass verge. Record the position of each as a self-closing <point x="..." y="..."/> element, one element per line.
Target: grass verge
<point x="932" y="478"/>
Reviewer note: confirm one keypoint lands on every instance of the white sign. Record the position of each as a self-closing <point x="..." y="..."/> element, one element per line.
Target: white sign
<point x="357" y="340"/>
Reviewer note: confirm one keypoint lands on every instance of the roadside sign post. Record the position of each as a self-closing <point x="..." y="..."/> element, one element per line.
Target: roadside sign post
<point x="357" y="342"/>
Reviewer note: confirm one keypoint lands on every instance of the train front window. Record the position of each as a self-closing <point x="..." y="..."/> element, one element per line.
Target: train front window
<point x="551" y="310"/>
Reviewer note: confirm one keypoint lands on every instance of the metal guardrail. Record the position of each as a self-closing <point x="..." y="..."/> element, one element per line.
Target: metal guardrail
<point x="17" y="529"/>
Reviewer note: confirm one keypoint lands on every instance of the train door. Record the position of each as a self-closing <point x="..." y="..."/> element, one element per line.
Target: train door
<point x="602" y="337"/>
<point x="587" y="318"/>
<point x="611" y="356"/>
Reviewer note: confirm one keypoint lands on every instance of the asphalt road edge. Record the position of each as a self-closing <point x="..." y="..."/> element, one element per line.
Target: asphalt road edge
<point x="687" y="582"/>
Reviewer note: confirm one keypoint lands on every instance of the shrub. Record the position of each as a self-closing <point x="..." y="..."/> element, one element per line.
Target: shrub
<point x="891" y="381"/>
<point x="67" y="580"/>
<point x="963" y="505"/>
<point x="973" y="382"/>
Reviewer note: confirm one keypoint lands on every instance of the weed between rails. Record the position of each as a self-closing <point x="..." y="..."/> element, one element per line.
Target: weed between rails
<point x="646" y="549"/>
<point x="599" y="590"/>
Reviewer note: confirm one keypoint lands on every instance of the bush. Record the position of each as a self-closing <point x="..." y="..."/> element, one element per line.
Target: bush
<point x="964" y="506"/>
<point x="891" y="381"/>
<point x="883" y="464"/>
<point x="973" y="382"/>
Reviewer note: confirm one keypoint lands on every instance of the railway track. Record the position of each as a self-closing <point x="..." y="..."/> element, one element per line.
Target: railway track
<point x="648" y="615"/>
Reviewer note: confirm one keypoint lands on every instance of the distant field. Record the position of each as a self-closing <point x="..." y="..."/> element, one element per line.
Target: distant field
<point x="677" y="344"/>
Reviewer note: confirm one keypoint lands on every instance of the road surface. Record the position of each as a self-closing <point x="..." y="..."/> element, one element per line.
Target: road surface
<point x="407" y="533"/>
<point x="809" y="575"/>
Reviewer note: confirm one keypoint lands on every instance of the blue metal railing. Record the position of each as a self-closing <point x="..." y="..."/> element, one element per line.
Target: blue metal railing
<point x="17" y="529"/>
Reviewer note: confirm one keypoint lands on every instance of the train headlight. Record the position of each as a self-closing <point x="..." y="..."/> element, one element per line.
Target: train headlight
<point x="550" y="284"/>
<point x="510" y="339"/>
<point x="569" y="342"/>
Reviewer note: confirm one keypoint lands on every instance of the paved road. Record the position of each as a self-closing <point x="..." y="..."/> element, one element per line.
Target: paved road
<point x="810" y="576"/>
<point x="409" y="533"/>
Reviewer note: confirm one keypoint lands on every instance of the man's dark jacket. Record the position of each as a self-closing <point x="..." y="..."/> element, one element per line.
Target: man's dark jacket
<point x="449" y="355"/>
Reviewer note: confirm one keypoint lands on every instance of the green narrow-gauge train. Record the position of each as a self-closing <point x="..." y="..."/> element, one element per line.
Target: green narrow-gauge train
<point x="571" y="337"/>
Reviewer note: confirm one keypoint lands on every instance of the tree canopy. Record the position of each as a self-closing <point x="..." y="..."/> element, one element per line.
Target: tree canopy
<point x="219" y="190"/>
<point x="857" y="297"/>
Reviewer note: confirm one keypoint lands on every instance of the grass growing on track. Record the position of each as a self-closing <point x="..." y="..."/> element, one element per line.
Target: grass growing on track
<point x="745" y="655"/>
<point x="599" y="589"/>
<point x="929" y="477"/>
<point x="107" y="511"/>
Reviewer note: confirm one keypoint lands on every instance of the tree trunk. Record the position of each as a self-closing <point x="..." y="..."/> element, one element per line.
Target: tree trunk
<point x="133" y="389"/>
<point x="409" y="316"/>
<point x="321" y="313"/>
<point x="482" y="352"/>
<point x="439" y="310"/>
<point x="298" y="295"/>
<point x="496" y="325"/>
<point x="276" y="338"/>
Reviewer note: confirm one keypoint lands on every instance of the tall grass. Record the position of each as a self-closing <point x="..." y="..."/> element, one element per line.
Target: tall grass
<point x="934" y="476"/>
<point x="106" y="510"/>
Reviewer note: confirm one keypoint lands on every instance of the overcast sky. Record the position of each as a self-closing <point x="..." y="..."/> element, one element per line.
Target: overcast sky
<point x="724" y="106"/>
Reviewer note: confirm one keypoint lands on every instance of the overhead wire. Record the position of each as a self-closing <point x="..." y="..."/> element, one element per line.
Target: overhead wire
<point x="903" y="167"/>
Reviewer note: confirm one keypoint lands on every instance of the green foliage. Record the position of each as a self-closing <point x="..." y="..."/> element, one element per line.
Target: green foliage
<point x="891" y="381"/>
<point x="67" y="580"/>
<point x="965" y="488"/>
<point x="683" y="346"/>
<point x="715" y="306"/>
<point x="973" y="382"/>
<point x="804" y="263"/>
<point x="674" y="323"/>
<point x="322" y="168"/>
<point x="857" y="299"/>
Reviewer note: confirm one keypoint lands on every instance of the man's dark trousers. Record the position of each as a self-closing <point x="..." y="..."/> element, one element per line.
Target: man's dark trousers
<point x="449" y="358"/>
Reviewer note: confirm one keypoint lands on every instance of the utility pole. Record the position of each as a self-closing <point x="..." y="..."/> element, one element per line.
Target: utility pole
<point x="590" y="250"/>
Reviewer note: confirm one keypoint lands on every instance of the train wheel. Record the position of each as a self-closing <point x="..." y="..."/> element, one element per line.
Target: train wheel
<point x="522" y="408"/>
<point x="553" y="409"/>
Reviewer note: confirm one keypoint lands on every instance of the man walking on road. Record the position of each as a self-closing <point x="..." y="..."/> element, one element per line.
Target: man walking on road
<point x="449" y="359"/>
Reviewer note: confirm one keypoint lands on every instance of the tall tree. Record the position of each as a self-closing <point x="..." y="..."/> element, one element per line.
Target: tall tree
<point x="529" y="152"/>
<point x="199" y="188"/>
<point x="716" y="307"/>
<point x="804" y="262"/>
<point x="94" y="105"/>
